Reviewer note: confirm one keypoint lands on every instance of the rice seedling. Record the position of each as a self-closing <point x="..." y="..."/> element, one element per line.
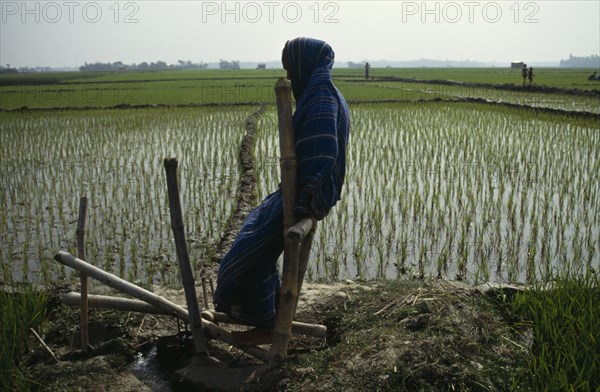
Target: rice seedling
<point x="467" y="176"/>
<point x="114" y="157"/>
<point x="439" y="189"/>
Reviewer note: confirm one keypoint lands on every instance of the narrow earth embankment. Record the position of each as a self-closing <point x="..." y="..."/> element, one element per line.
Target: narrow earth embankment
<point x="246" y="195"/>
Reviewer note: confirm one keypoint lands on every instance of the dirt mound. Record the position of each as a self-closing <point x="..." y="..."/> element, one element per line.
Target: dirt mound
<point x="409" y="336"/>
<point x="381" y="336"/>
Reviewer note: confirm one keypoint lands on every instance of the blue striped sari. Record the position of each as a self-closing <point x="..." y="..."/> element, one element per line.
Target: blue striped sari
<point x="248" y="280"/>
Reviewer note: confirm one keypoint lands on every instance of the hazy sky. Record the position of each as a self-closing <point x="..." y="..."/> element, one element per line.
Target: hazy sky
<point x="69" y="33"/>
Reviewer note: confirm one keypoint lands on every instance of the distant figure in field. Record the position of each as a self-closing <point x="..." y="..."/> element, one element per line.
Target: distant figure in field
<point x="524" y="73"/>
<point x="530" y="75"/>
<point x="593" y="76"/>
<point x="367" y="67"/>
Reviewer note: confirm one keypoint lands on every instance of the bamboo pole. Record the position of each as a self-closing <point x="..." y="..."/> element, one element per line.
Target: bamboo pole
<point x="288" y="293"/>
<point x="133" y="305"/>
<point x="303" y="232"/>
<point x="298" y="328"/>
<point x="120" y="284"/>
<point x="85" y="339"/>
<point x="205" y="292"/>
<point x="212" y="287"/>
<point x="187" y="277"/>
<point x="164" y="304"/>
<point x="303" y="257"/>
<point x="44" y="345"/>
<point x="305" y="246"/>
<point x="117" y="303"/>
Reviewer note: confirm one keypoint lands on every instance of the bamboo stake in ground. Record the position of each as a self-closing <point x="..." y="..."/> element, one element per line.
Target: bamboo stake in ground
<point x="85" y="340"/>
<point x="303" y="256"/>
<point x="303" y="232"/>
<point x="187" y="277"/>
<point x="288" y="293"/>
<point x="205" y="292"/>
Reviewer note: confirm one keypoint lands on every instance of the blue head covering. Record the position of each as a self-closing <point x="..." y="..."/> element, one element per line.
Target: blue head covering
<point x="310" y="61"/>
<point x="321" y="126"/>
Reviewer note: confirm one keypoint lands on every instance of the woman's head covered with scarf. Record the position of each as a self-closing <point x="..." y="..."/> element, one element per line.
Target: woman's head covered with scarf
<point x="321" y="126"/>
<point x="308" y="61"/>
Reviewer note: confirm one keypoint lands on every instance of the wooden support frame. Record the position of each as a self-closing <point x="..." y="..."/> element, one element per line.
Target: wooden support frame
<point x="166" y="306"/>
<point x="297" y="235"/>
<point x="298" y="328"/>
<point x="133" y="305"/>
<point x="297" y="244"/>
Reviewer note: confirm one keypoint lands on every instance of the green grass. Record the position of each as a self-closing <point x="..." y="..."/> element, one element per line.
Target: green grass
<point x="139" y="92"/>
<point x="553" y="77"/>
<point x="564" y="318"/>
<point x="173" y="87"/>
<point x="21" y="308"/>
<point x="118" y="76"/>
<point x="458" y="187"/>
<point x="99" y="89"/>
<point x="362" y="91"/>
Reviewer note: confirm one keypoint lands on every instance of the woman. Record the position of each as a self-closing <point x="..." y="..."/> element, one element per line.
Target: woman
<point x="248" y="280"/>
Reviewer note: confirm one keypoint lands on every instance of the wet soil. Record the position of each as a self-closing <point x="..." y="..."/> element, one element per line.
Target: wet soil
<point x="402" y="335"/>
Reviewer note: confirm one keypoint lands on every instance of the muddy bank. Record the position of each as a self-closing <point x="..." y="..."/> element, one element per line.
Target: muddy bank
<point x="127" y="106"/>
<point x="403" y="335"/>
<point x="246" y="194"/>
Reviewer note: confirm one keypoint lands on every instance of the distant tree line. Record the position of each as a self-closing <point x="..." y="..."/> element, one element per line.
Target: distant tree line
<point x="224" y="64"/>
<point x="592" y="61"/>
<point x="10" y="70"/>
<point x="119" y="66"/>
<point x="7" y="70"/>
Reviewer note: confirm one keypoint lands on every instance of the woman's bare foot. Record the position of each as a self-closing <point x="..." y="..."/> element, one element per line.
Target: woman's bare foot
<point x="254" y="337"/>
